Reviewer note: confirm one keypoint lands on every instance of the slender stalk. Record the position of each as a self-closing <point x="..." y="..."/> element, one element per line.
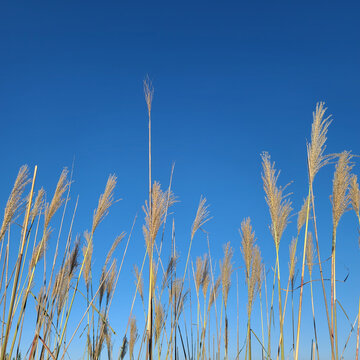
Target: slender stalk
<point x="302" y="276"/>
<point x="321" y="274"/>
<point x="271" y="313"/>
<point x="358" y="334"/>
<point x="333" y="294"/>
<point x="262" y="326"/>
<point x="313" y="313"/>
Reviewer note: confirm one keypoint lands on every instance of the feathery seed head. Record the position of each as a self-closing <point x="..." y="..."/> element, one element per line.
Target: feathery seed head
<point x="38" y="204"/>
<point x="279" y="205"/>
<point x="247" y="243"/>
<point x="40" y="248"/>
<point x="133" y="336"/>
<point x="57" y="199"/>
<point x="310" y="252"/>
<point x="139" y="282"/>
<point x="114" y="245"/>
<point x="355" y="195"/>
<point x="198" y="273"/>
<point x="316" y="148"/>
<point x="226" y="270"/>
<point x="14" y="202"/>
<point x="202" y="216"/>
<point x="293" y="259"/>
<point x="340" y="197"/>
<point x="111" y="280"/>
<point x="149" y="93"/>
<point x="214" y="293"/>
<point x="105" y="201"/>
<point x="155" y="215"/>
<point x="302" y="215"/>
<point x="253" y="285"/>
<point x="205" y="281"/>
<point x="169" y="271"/>
<point x="159" y="319"/>
<point x="87" y="253"/>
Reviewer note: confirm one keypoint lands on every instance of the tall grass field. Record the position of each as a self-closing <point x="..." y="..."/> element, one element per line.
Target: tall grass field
<point x="54" y="302"/>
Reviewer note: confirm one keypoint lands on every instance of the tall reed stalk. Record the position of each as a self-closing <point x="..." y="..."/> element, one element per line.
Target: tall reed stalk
<point x="316" y="160"/>
<point x="280" y="209"/>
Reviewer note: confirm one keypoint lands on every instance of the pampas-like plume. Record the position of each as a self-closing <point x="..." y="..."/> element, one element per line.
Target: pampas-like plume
<point x="340" y="197"/>
<point x="38" y="204"/>
<point x="355" y="195"/>
<point x="73" y="260"/>
<point x="310" y="253"/>
<point x="114" y="245"/>
<point x="133" y="336"/>
<point x="198" y="273"/>
<point x="159" y="319"/>
<point x="175" y="293"/>
<point x="316" y="148"/>
<point x="111" y="280"/>
<point x="155" y="215"/>
<point x="57" y="199"/>
<point x="214" y="293"/>
<point x="139" y="282"/>
<point x="254" y="277"/>
<point x="107" y="284"/>
<point x="205" y="281"/>
<point x="293" y="259"/>
<point x="87" y="253"/>
<point x="105" y="201"/>
<point x="302" y="215"/>
<point x="14" y="202"/>
<point x="279" y="206"/>
<point x="149" y="93"/>
<point x="202" y="216"/>
<point x="169" y="271"/>
<point x="65" y="275"/>
<point x="40" y="248"/>
<point x="247" y="244"/>
<point x="226" y="271"/>
<point x="100" y="339"/>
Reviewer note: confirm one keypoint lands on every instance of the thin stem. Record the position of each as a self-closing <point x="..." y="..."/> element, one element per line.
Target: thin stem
<point x="302" y="276"/>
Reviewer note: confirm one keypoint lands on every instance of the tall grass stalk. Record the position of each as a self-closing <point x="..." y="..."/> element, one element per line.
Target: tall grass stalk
<point x="280" y="209"/>
<point x="316" y="160"/>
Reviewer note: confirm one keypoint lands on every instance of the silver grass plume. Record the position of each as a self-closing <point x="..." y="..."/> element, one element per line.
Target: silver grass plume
<point x="355" y="195"/>
<point x="302" y="215"/>
<point x="133" y="336"/>
<point x="226" y="269"/>
<point x="316" y="148"/>
<point x="57" y="199"/>
<point x="279" y="205"/>
<point x="139" y="282"/>
<point x="15" y="201"/>
<point x="247" y="243"/>
<point x="87" y="251"/>
<point x="161" y="201"/>
<point x="105" y="201"/>
<point x="202" y="216"/>
<point x="293" y="259"/>
<point x="310" y="253"/>
<point x="340" y="197"/>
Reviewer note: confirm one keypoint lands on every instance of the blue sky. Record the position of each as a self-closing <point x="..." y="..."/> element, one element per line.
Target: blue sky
<point x="232" y="79"/>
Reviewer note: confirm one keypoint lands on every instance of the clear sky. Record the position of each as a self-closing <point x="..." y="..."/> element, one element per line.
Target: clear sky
<point x="231" y="79"/>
